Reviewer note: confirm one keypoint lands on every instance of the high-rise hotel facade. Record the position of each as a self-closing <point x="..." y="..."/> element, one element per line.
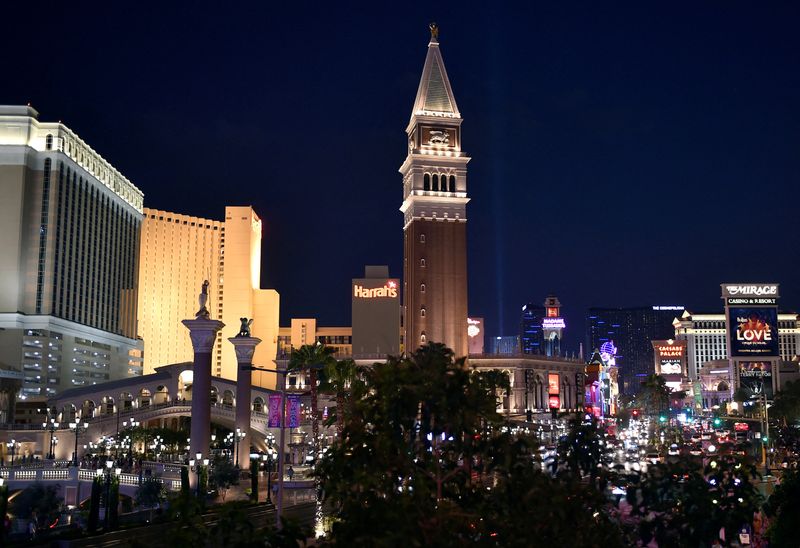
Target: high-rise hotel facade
<point x="178" y="252"/>
<point x="69" y="235"/>
<point x="434" y="214"/>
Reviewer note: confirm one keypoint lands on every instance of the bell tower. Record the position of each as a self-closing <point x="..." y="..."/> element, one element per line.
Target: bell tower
<point x="434" y="214"/>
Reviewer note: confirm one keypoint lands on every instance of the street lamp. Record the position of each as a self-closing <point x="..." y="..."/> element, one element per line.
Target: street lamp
<point x="133" y="423"/>
<point x="77" y="428"/>
<point x="194" y="464"/>
<point x="268" y="459"/>
<point x="239" y="437"/>
<point x="282" y="372"/>
<point x="108" y="472"/>
<point x="52" y="426"/>
<point x="12" y="446"/>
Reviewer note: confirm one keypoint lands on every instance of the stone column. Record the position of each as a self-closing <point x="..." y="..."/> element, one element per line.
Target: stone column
<point x="244" y="347"/>
<point x="203" y="333"/>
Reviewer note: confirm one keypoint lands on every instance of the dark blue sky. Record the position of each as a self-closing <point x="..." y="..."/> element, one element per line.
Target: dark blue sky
<point x="622" y="154"/>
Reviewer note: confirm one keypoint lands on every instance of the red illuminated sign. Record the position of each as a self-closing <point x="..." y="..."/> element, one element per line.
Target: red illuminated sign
<point x="741" y="426"/>
<point x="553" y="401"/>
<point x="553" y="384"/>
<point x="552" y="312"/>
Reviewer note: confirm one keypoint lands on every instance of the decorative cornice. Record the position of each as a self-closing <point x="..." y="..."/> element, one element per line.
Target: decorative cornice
<point x="244" y="347"/>
<point x="203" y="334"/>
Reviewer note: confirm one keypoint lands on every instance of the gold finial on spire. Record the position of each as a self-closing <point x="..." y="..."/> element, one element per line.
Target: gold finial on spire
<point x="434" y="32"/>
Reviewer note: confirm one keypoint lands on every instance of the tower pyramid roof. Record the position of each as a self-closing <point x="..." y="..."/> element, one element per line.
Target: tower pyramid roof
<point x="434" y="95"/>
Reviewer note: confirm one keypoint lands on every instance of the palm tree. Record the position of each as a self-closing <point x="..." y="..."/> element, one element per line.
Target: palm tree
<point x="338" y="377"/>
<point x="654" y="395"/>
<point x="312" y="358"/>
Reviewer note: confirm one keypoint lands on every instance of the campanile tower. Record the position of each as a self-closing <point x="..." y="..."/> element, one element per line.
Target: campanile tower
<point x="434" y="214"/>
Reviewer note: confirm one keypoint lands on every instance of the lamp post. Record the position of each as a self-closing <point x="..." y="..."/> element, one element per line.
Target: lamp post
<point x="268" y="463"/>
<point x="281" y="371"/>
<point x="194" y="464"/>
<point x="132" y="424"/>
<point x="77" y="428"/>
<point x="12" y="446"/>
<point x="108" y="472"/>
<point x="51" y="426"/>
<point x="238" y="438"/>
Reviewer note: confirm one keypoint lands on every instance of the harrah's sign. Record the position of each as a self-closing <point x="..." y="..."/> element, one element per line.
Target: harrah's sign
<point x="755" y="290"/>
<point x="389" y="290"/>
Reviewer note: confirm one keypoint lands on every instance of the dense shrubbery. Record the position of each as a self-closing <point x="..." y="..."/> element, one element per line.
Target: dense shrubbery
<point x="425" y="460"/>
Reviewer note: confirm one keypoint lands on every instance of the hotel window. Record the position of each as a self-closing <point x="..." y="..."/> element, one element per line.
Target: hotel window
<point x="435" y="183"/>
<point x="422" y="238"/>
<point x="452" y="183"/>
<point x="423" y="338"/>
<point x="422" y="311"/>
<point x="48" y="142"/>
<point x="422" y="263"/>
<point x="422" y="288"/>
<point x="426" y="182"/>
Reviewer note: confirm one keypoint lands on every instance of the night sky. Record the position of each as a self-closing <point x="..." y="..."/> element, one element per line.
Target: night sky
<point x="622" y="156"/>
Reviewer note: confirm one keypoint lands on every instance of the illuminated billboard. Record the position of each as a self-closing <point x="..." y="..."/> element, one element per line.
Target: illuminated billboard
<point x="375" y="301"/>
<point x="553" y="323"/>
<point x="753" y="332"/>
<point x="755" y="378"/>
<point x="750" y="294"/>
<point x="475" y="339"/>
<point x="553" y="383"/>
<point x="670" y="358"/>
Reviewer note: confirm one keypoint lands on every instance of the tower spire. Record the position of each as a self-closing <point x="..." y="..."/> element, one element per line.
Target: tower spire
<point x="434" y="213"/>
<point x="434" y="95"/>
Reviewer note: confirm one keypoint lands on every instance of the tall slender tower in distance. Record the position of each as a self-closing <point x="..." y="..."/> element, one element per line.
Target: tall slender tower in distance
<point x="434" y="214"/>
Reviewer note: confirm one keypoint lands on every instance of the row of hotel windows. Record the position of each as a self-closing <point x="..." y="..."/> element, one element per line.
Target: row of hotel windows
<point x="427" y="180"/>
<point x="189" y="223"/>
<point x="98" y="167"/>
<point x="94" y="253"/>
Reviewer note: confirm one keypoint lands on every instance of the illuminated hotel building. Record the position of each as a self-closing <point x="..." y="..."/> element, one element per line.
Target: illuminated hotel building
<point x="631" y="330"/>
<point x="434" y="214"/>
<point x="306" y="331"/>
<point x="178" y="252"/>
<point x="69" y="238"/>
<point x="706" y="338"/>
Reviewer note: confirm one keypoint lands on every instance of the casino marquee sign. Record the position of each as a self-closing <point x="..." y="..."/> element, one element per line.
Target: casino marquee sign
<point x="750" y="294"/>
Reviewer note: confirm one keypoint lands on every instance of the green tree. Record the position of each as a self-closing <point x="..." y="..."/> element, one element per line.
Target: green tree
<point x="3" y="513"/>
<point x="223" y="475"/>
<point x="113" y="507"/>
<point x="783" y="509"/>
<point x="786" y="407"/>
<point x="580" y="449"/>
<point x="654" y="395"/>
<point x="338" y="377"/>
<point x="94" y="504"/>
<point x="185" y="479"/>
<point x="682" y="504"/>
<point x="38" y="501"/>
<point x="426" y="454"/>
<point x="254" y="480"/>
<point x="312" y="358"/>
<point x="150" y="494"/>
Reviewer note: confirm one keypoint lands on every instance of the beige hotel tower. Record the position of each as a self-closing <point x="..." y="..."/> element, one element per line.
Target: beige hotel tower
<point x="178" y="252"/>
<point x="434" y="214"/>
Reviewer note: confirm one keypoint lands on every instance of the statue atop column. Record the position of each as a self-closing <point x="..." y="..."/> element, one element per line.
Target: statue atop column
<point x="244" y="329"/>
<point x="203" y="313"/>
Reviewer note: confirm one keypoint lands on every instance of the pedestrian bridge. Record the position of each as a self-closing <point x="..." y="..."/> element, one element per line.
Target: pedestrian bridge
<point x="75" y="483"/>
